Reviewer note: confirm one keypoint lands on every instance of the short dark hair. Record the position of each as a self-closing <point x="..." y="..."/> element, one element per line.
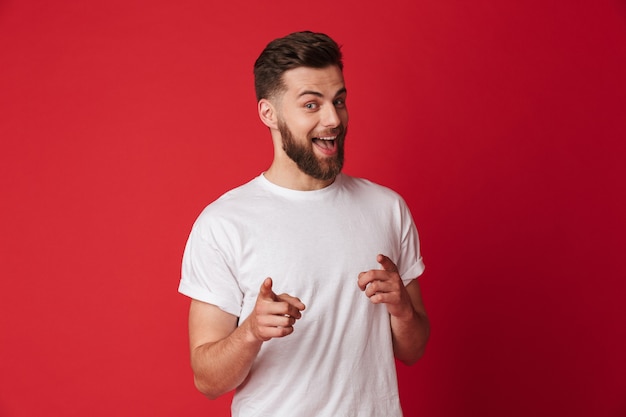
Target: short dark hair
<point x="299" y="49"/>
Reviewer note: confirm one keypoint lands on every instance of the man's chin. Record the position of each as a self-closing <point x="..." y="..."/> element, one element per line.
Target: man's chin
<point x="330" y="172"/>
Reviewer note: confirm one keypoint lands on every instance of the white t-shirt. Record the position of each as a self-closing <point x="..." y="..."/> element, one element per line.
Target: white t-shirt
<point x="313" y="244"/>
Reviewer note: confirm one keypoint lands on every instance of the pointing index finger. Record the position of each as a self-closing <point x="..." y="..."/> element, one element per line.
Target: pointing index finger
<point x="386" y="263"/>
<point x="266" y="290"/>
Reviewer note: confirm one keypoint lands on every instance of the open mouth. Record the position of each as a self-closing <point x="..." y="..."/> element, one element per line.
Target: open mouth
<point x="327" y="143"/>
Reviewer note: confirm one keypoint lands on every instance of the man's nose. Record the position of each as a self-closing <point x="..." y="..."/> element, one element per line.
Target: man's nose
<point x="330" y="118"/>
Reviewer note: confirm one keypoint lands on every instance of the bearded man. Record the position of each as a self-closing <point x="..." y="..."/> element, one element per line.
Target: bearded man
<point x="304" y="233"/>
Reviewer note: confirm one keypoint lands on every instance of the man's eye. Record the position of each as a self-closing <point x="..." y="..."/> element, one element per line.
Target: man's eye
<point x="340" y="102"/>
<point x="310" y="106"/>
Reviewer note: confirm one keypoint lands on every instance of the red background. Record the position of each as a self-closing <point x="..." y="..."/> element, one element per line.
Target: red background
<point x="502" y="124"/>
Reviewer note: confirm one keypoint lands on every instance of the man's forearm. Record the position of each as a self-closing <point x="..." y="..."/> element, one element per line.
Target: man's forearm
<point x="409" y="337"/>
<point x="221" y="366"/>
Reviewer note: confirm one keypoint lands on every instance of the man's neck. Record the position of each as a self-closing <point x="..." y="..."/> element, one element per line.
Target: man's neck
<point x="289" y="176"/>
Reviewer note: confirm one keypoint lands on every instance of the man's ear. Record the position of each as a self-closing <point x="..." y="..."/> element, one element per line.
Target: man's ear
<point x="267" y="113"/>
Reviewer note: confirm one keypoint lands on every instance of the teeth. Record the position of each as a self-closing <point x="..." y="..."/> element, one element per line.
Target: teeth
<point x="328" y="138"/>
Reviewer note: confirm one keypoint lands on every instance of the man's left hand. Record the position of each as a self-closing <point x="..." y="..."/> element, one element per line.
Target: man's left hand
<point x="384" y="286"/>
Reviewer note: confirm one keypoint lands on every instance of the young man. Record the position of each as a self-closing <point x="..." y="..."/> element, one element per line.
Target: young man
<point x="302" y="233"/>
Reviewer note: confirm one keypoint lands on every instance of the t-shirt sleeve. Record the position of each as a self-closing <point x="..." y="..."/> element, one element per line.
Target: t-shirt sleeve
<point x="207" y="272"/>
<point x="411" y="264"/>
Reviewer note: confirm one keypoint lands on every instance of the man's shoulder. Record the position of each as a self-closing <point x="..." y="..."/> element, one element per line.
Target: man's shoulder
<point x="369" y="187"/>
<point x="250" y="188"/>
<point x="232" y="201"/>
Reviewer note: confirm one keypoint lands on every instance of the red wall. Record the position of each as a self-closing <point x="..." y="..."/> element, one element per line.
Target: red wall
<point x="502" y="124"/>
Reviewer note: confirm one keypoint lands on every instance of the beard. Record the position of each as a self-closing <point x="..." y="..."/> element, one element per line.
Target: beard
<point x="305" y="158"/>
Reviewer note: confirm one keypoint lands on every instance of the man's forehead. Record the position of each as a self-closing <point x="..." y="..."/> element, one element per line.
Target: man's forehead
<point x="304" y="80"/>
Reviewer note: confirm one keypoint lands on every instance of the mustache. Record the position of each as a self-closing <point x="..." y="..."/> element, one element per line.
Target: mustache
<point x="339" y="131"/>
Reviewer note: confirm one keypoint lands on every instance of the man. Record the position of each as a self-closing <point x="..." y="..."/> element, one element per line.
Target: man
<point x="302" y="233"/>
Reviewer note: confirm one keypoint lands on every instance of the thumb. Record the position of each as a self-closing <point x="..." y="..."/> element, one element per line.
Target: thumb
<point x="266" y="290"/>
<point x="386" y="263"/>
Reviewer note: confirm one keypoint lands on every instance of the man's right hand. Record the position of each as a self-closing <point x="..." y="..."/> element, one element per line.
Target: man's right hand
<point x="273" y="315"/>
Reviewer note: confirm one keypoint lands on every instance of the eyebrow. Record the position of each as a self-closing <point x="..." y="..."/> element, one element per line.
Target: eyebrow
<point x="341" y="91"/>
